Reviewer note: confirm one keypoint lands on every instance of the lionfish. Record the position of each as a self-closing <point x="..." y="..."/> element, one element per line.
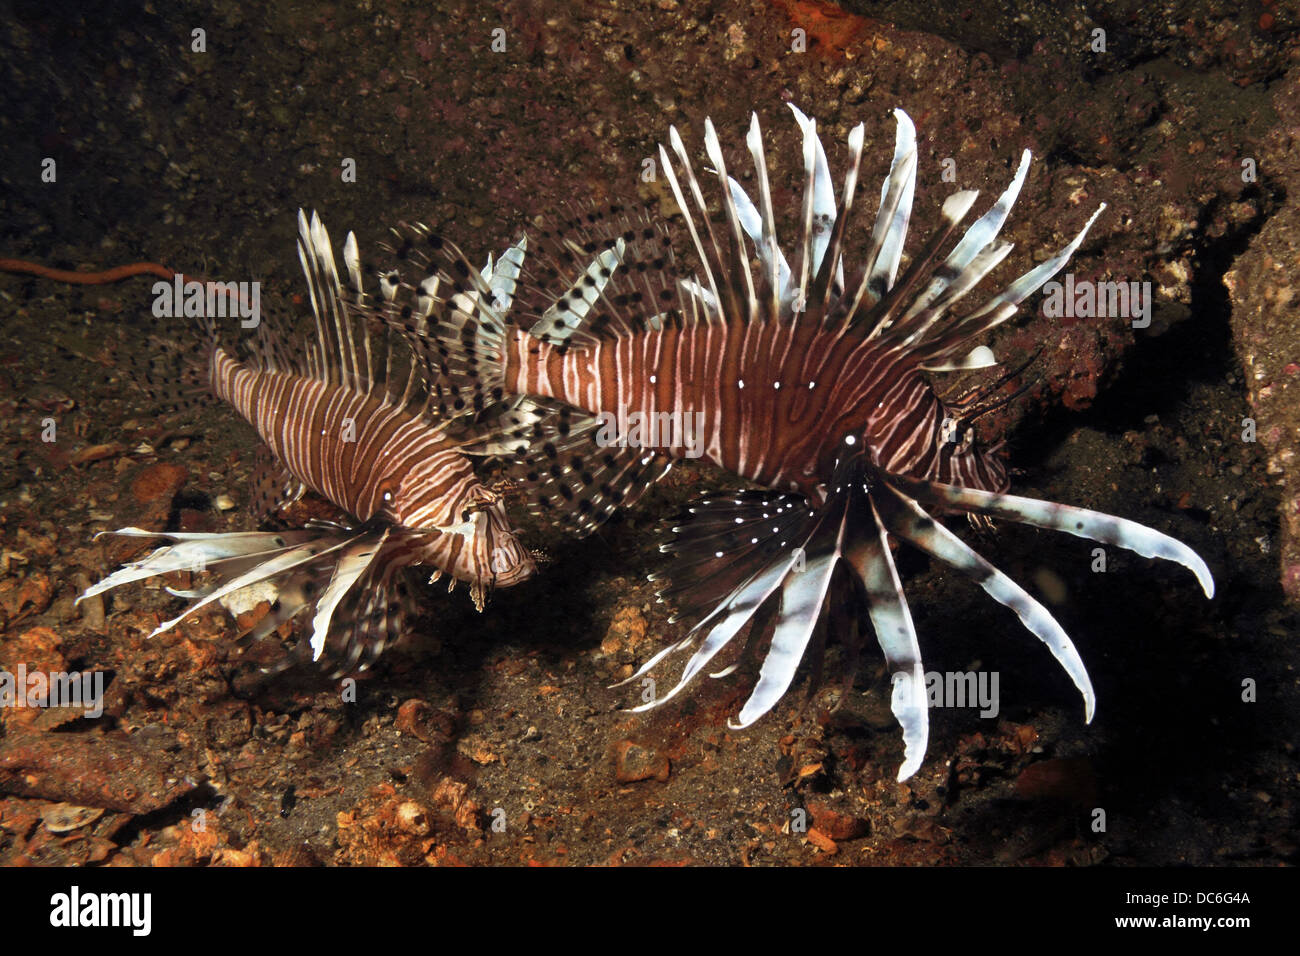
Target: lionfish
<point x="807" y="380"/>
<point x="343" y="418"/>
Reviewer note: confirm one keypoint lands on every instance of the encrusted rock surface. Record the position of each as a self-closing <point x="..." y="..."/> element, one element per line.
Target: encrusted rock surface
<point x="1265" y="287"/>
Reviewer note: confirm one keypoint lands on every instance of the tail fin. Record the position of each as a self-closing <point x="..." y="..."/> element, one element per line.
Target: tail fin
<point x="175" y="375"/>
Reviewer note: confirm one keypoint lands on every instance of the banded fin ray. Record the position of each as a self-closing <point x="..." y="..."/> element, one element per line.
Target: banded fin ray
<point x="328" y="570"/>
<point x="726" y="620"/>
<point x="905" y="519"/>
<point x="723" y="542"/>
<point x="803" y="595"/>
<point x="353" y="563"/>
<point x="961" y="266"/>
<point x="890" y="230"/>
<point x="866" y="551"/>
<point x="771" y="258"/>
<point x="778" y="283"/>
<point x="818" y="191"/>
<point x="599" y="275"/>
<point x="1002" y="306"/>
<point x="833" y="263"/>
<point x="563" y="320"/>
<point x="195" y="550"/>
<point x="1093" y="525"/>
<point x="334" y="328"/>
<point x="738" y="259"/>
<point x="711" y="258"/>
<point x="568" y="468"/>
<point x="880" y="318"/>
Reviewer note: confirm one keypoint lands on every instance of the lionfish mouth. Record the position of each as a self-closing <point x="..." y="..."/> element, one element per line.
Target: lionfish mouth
<point x="771" y="560"/>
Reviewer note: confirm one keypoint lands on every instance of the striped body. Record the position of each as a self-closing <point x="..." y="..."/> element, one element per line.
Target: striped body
<point x="374" y="459"/>
<point x="775" y="399"/>
<point x="340" y="417"/>
<point x="807" y="375"/>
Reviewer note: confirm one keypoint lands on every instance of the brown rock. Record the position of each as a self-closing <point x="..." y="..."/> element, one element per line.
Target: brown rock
<point x="417" y="718"/>
<point x="823" y="842"/>
<point x="836" y="820"/>
<point x="295" y="856"/>
<point x="23" y="597"/>
<point x="39" y="648"/>
<point x="1263" y="289"/>
<point x="113" y="770"/>
<point x="468" y="816"/>
<point x="626" y="632"/>
<point x="1065" y="778"/>
<point x="449" y="793"/>
<point x="250" y="855"/>
<point x="633" y="762"/>
<point x="96" y="453"/>
<point x="158" y="482"/>
<point x="412" y="818"/>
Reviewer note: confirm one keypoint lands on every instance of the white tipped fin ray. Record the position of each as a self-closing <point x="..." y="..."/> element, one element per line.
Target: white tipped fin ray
<point x="1093" y="525"/>
<point x="985" y="229"/>
<point x="979" y="357"/>
<point x="194" y="551"/>
<point x="895" y="204"/>
<point x="285" y="561"/>
<point x="822" y="189"/>
<point x="905" y="519"/>
<point x="740" y="258"/>
<point x="736" y="611"/>
<point x="326" y="291"/>
<point x="867" y="552"/>
<point x="802" y="596"/>
<point x="355" y="562"/>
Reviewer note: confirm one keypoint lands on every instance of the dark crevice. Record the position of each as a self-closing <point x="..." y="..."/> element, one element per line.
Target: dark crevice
<point x="1157" y="372"/>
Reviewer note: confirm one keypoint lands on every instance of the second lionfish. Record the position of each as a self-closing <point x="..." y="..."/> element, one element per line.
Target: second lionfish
<point x="343" y="417"/>
<point x="808" y="380"/>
